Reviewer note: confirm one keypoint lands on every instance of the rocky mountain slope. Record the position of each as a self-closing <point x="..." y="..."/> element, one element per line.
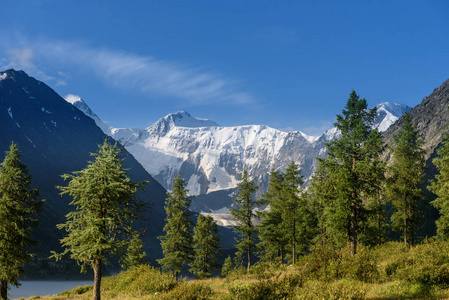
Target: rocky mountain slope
<point x="431" y="117"/>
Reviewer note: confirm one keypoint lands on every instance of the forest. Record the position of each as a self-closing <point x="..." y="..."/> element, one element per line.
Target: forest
<point x="351" y="234"/>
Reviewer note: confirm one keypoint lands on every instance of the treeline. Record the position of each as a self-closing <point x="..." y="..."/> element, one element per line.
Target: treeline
<point x="346" y="202"/>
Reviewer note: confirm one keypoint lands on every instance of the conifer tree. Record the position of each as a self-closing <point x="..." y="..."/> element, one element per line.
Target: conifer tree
<point x="440" y="187"/>
<point x="206" y="243"/>
<point x="407" y="176"/>
<point x="227" y="267"/>
<point x="244" y="216"/>
<point x="177" y="241"/>
<point x="18" y="207"/>
<point x="105" y="207"/>
<point x="271" y="232"/>
<point x="134" y="255"/>
<point x="293" y="212"/>
<point x="347" y="171"/>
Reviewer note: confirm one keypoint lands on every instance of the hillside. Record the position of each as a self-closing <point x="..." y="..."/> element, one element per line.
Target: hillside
<point x="56" y="138"/>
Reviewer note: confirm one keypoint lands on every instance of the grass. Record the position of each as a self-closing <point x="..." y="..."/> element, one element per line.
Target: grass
<point x="390" y="271"/>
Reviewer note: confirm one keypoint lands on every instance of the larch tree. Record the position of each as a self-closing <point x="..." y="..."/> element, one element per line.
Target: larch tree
<point x="245" y="215"/>
<point x="18" y="208"/>
<point x="206" y="243"/>
<point x="406" y="179"/>
<point x="134" y="255"/>
<point x="272" y="239"/>
<point x="348" y="170"/>
<point x="440" y="187"/>
<point x="105" y="206"/>
<point x="178" y="239"/>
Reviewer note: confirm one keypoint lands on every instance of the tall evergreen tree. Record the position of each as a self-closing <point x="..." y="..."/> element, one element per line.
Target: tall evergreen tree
<point x="440" y="187"/>
<point x="244" y="216"/>
<point x="105" y="208"/>
<point x="206" y="243"/>
<point x="407" y="176"/>
<point x="178" y="239"/>
<point x="293" y="208"/>
<point x="348" y="170"/>
<point x="271" y="232"/>
<point x="18" y="207"/>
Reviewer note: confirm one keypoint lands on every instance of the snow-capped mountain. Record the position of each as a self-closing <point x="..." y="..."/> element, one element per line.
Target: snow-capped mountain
<point x="211" y="158"/>
<point x="388" y="113"/>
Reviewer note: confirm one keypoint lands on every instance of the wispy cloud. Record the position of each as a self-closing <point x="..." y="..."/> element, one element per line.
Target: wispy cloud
<point x="22" y="59"/>
<point x="145" y="74"/>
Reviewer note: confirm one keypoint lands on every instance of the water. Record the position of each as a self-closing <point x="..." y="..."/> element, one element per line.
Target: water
<point x="44" y="288"/>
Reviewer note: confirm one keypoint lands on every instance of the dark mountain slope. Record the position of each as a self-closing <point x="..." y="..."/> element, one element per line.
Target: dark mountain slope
<point x="431" y="117"/>
<point x="55" y="138"/>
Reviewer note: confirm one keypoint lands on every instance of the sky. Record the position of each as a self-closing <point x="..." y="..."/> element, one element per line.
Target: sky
<point x="290" y="65"/>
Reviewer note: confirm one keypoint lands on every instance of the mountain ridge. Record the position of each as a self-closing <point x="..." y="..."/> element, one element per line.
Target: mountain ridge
<point x="212" y="158"/>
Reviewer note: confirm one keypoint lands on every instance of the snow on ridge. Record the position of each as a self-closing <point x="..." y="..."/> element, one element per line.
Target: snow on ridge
<point x="310" y="138"/>
<point x="388" y="113"/>
<point x="3" y="76"/>
<point x="184" y="119"/>
<point x="72" y="99"/>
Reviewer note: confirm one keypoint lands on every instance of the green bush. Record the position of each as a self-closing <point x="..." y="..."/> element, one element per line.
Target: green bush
<point x="427" y="263"/>
<point x="189" y="291"/>
<point x="328" y="264"/>
<point x="139" y="281"/>
<point x="279" y="288"/>
<point x="339" y="290"/>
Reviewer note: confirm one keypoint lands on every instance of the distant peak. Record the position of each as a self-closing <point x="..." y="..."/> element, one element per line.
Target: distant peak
<point x="388" y="113"/>
<point x="184" y="119"/>
<point x="73" y="98"/>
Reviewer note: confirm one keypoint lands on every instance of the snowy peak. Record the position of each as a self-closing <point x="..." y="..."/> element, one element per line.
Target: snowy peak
<point x="388" y="113"/>
<point x="181" y="119"/>
<point x="83" y="107"/>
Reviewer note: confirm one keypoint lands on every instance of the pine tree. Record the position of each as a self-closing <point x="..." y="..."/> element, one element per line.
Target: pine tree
<point x="105" y="208"/>
<point x="407" y="176"/>
<point x="18" y="206"/>
<point x="272" y="239"/>
<point x="206" y="243"/>
<point x="177" y="241"/>
<point x="287" y="223"/>
<point x="134" y="255"/>
<point x="227" y="267"/>
<point x="244" y="216"/>
<point x="347" y="171"/>
<point x="293" y="212"/>
<point x="440" y="187"/>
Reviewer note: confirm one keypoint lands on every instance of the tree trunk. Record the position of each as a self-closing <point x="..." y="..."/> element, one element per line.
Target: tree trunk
<point x="405" y="230"/>
<point x="249" y="258"/>
<point x="353" y="227"/>
<point x="97" y="279"/>
<point x="294" y="241"/>
<point x="4" y="289"/>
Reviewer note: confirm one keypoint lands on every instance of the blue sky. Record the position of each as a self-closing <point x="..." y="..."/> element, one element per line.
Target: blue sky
<point x="287" y="64"/>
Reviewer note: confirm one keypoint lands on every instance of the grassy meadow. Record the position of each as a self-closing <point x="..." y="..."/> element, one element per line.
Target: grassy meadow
<point x="389" y="271"/>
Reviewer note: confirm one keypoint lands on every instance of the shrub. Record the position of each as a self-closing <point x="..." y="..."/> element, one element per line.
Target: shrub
<point x="339" y="290"/>
<point x="327" y="264"/>
<point x="189" y="291"/>
<point x="279" y="288"/>
<point x="139" y="281"/>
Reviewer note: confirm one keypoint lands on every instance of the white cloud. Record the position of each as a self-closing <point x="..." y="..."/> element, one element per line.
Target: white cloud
<point x="22" y="59"/>
<point x="145" y="74"/>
